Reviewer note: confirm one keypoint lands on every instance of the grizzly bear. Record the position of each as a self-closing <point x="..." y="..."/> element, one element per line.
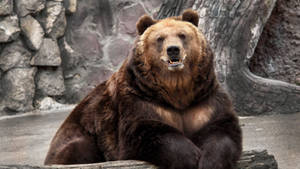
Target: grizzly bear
<point x="164" y="106"/>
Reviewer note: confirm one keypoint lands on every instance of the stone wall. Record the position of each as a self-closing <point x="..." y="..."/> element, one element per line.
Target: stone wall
<point x="62" y="48"/>
<point x="30" y="58"/>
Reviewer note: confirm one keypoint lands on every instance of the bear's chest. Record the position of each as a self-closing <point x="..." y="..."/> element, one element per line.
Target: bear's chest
<point x="189" y="121"/>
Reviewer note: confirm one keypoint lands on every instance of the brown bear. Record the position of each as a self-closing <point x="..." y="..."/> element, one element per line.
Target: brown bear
<point x="164" y="106"/>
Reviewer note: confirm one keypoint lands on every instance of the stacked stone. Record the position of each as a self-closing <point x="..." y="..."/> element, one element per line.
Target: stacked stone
<point x="30" y="59"/>
<point x="61" y="63"/>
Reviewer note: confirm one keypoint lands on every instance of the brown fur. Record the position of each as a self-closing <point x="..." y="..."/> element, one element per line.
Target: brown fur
<point x="148" y="110"/>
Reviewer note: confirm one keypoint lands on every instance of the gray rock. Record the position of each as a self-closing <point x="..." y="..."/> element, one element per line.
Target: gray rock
<point x="297" y="81"/>
<point x="129" y="16"/>
<point x="15" y="55"/>
<point x="19" y="89"/>
<point x="48" y="55"/>
<point x="50" y="81"/>
<point x="70" y="58"/>
<point x="32" y="31"/>
<point x="81" y="81"/>
<point x="70" y="6"/>
<point x="55" y="20"/>
<point x="152" y="6"/>
<point x="0" y="86"/>
<point x="59" y="26"/>
<point x="118" y="50"/>
<point x="9" y="28"/>
<point x="25" y="7"/>
<point x="6" y="7"/>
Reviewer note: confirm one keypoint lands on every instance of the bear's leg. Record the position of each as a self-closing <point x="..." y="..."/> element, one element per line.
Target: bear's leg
<point x="73" y="147"/>
<point x="220" y="144"/>
<point x="159" y="144"/>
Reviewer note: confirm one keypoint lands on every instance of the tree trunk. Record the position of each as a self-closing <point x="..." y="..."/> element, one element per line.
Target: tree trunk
<point x="233" y="28"/>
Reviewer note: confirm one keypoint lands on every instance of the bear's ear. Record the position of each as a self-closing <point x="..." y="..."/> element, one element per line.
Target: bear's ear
<point x="143" y="23"/>
<point x="191" y="16"/>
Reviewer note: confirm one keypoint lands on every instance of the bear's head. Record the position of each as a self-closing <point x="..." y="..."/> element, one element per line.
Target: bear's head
<point x="174" y="55"/>
<point x="173" y="43"/>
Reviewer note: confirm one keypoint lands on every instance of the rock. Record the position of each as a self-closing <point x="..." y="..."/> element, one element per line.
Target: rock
<point x="118" y="50"/>
<point x="9" y="28"/>
<point x="153" y="5"/>
<point x="128" y="18"/>
<point x="81" y="81"/>
<point x="6" y="7"/>
<point x="297" y="81"/>
<point x="55" y="20"/>
<point x="59" y="26"/>
<point x="250" y="160"/>
<point x="48" y="103"/>
<point x="32" y="31"/>
<point x="19" y="89"/>
<point x="70" y="58"/>
<point x="25" y="7"/>
<point x="70" y="6"/>
<point x="48" y="55"/>
<point x="15" y="55"/>
<point x="50" y="81"/>
<point x="0" y="85"/>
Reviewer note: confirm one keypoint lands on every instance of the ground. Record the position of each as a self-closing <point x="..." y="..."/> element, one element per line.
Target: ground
<point x="25" y="139"/>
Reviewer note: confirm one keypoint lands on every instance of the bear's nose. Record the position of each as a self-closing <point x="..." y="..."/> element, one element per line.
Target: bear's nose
<point x="173" y="51"/>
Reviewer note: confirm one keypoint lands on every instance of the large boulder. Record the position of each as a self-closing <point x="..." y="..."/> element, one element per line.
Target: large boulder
<point x="48" y="55"/>
<point x="54" y="19"/>
<point x="50" y="81"/>
<point x="128" y="18"/>
<point x="14" y="55"/>
<point x="25" y="7"/>
<point x="9" y="28"/>
<point x="32" y="31"/>
<point x="116" y="56"/>
<point x="18" y="89"/>
<point x="6" y="7"/>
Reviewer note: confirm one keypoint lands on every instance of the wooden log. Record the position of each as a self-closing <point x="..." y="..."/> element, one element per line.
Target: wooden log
<point x="255" y="159"/>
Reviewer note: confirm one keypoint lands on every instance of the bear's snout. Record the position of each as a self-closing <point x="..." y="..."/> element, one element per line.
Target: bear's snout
<point x="173" y="52"/>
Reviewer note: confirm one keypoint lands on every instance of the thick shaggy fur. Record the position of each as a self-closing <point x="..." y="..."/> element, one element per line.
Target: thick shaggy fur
<point x="176" y="119"/>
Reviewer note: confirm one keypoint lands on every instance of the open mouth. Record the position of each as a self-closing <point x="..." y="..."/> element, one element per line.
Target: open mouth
<point x="175" y="63"/>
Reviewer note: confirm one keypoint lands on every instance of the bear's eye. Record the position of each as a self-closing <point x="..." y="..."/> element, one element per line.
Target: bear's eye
<point x="181" y="36"/>
<point x="160" y="39"/>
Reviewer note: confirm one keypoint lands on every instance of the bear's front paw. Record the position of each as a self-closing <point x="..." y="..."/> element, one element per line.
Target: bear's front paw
<point x="180" y="153"/>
